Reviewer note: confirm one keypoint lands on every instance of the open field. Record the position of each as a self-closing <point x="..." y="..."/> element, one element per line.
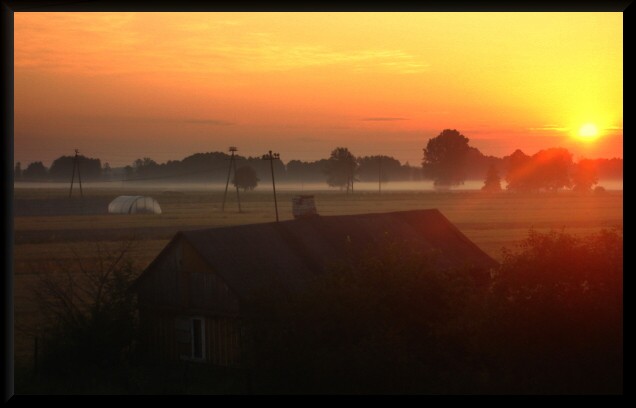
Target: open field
<point x="48" y="225"/>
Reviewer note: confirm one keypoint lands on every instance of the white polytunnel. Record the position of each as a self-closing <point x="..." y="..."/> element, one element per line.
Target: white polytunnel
<point x="134" y="205"/>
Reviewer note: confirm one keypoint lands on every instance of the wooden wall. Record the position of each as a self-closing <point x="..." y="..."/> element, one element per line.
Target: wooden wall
<point x="181" y="286"/>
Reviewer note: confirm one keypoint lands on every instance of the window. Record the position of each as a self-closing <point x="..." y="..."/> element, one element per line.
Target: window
<point x="198" y="338"/>
<point x="190" y="332"/>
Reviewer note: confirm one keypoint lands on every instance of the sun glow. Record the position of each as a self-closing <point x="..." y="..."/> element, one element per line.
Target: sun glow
<point x="589" y="131"/>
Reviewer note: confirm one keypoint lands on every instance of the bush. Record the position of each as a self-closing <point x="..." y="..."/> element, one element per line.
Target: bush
<point x="555" y="314"/>
<point x="90" y="321"/>
<point x="549" y="322"/>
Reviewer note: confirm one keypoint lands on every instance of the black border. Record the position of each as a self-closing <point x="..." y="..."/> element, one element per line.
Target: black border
<point x="322" y="6"/>
<point x="8" y="7"/>
<point x="6" y="22"/>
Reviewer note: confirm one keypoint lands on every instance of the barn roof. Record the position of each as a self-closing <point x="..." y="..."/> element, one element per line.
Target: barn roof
<point x="290" y="252"/>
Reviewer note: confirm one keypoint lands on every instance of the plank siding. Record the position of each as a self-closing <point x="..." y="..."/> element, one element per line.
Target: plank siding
<point x="183" y="286"/>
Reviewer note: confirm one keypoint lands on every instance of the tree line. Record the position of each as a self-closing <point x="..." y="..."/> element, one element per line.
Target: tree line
<point x="448" y="160"/>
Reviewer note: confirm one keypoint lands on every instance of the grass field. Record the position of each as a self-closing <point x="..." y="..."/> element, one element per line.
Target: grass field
<point x="491" y="221"/>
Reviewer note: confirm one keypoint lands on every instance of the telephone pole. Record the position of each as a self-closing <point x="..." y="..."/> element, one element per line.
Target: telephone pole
<point x="229" y="171"/>
<point x="379" y="174"/>
<point x="271" y="157"/>
<point x="79" y="176"/>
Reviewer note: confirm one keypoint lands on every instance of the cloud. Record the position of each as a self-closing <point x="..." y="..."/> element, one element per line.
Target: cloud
<point x="110" y="119"/>
<point x="550" y="128"/>
<point x="382" y="119"/>
<point x="213" y="122"/>
<point x="132" y="43"/>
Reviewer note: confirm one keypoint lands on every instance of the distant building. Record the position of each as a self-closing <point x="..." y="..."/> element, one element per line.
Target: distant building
<point x="134" y="205"/>
<point x="190" y="296"/>
<point x="304" y="206"/>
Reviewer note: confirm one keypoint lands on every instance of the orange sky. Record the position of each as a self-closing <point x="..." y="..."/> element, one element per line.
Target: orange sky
<point x="120" y="86"/>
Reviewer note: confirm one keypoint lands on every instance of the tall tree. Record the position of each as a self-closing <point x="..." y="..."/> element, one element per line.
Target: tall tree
<point x="546" y="170"/>
<point x="551" y="169"/>
<point x="519" y="170"/>
<point x="341" y="168"/>
<point x="62" y="168"/>
<point x="245" y="178"/>
<point x="445" y="158"/>
<point x="492" y="184"/>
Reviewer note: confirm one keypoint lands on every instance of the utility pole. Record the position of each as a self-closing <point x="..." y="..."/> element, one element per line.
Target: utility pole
<point x="229" y="171"/>
<point x="271" y="157"/>
<point x="79" y="176"/>
<point x="379" y="174"/>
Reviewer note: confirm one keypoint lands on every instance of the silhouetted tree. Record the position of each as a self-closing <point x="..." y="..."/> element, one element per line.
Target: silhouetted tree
<point x="145" y="167"/>
<point x="263" y="170"/>
<point x="17" y="175"/>
<point x="369" y="168"/>
<point x="245" y="178"/>
<point x="89" y="324"/>
<point x="477" y="163"/>
<point x="341" y="168"/>
<point x="301" y="171"/>
<point x="445" y="158"/>
<point x="556" y="306"/>
<point x="519" y="171"/>
<point x="62" y="168"/>
<point x="585" y="176"/>
<point x="548" y="170"/>
<point x="551" y="169"/>
<point x="492" y="184"/>
<point x="203" y="166"/>
<point x="35" y="171"/>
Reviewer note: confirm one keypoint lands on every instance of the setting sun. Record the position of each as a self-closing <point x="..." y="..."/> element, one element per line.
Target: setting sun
<point x="589" y="131"/>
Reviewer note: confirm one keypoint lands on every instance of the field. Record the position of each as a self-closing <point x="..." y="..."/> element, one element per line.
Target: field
<point x="48" y="225"/>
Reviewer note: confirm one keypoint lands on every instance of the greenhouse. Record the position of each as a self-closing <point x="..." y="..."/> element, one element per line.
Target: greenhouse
<point x="134" y="205"/>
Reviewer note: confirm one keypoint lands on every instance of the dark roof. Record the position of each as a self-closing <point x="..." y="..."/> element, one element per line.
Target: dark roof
<point x="290" y="252"/>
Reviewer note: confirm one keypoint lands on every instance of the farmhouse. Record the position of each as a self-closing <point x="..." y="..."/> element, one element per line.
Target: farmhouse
<point x="190" y="296"/>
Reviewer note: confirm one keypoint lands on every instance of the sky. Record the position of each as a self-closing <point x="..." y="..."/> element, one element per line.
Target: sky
<point x="122" y="86"/>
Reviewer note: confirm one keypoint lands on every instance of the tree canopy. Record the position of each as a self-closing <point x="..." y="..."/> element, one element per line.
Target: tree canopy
<point x="445" y="158"/>
<point x="245" y="178"/>
<point x="35" y="171"/>
<point x="62" y="168"/>
<point x="341" y="168"/>
<point x="548" y="169"/>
